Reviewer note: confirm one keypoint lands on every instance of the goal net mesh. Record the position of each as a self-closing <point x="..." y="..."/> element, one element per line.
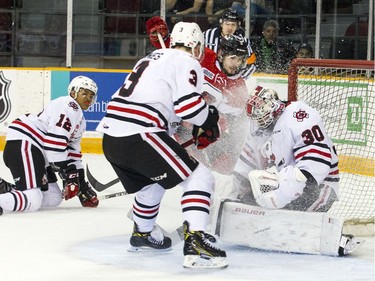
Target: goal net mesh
<point x="343" y="92"/>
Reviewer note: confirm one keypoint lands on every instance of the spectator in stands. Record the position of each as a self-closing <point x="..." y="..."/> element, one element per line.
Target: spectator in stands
<point x="197" y="5"/>
<point x="305" y="51"/>
<point x="255" y="8"/>
<point x="212" y="9"/>
<point x="273" y="54"/>
<point x="178" y="6"/>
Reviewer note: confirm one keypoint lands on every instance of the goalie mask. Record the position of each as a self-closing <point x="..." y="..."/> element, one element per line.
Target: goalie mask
<point x="264" y="106"/>
<point x="83" y="82"/>
<point x="190" y="35"/>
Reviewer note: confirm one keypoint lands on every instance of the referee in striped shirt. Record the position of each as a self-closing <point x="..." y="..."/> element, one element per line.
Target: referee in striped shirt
<point x="230" y="23"/>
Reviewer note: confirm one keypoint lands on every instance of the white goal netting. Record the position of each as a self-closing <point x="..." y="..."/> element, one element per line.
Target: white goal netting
<point x="344" y="94"/>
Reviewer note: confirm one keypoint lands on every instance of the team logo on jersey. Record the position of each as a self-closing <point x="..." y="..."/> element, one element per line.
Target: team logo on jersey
<point x="73" y="105"/>
<point x="5" y="105"/>
<point x="220" y="80"/>
<point x="300" y="115"/>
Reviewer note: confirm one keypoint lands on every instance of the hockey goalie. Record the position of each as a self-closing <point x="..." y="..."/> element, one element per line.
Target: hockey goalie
<point x="286" y="180"/>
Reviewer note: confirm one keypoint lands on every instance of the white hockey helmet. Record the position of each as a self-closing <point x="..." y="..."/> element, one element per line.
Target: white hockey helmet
<point x="264" y="106"/>
<point x="83" y="82"/>
<point x="188" y="34"/>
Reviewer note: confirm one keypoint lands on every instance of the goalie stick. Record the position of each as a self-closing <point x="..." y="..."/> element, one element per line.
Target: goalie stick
<point x="98" y="186"/>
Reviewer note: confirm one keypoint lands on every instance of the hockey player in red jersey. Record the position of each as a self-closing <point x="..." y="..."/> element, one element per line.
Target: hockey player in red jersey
<point x="164" y="89"/>
<point x="224" y="88"/>
<point x="39" y="145"/>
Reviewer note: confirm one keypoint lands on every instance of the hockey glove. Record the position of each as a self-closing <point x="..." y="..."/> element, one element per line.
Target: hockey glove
<point x="154" y="26"/>
<point x="88" y="197"/>
<point x="209" y="131"/>
<point x="273" y="189"/>
<point x="71" y="181"/>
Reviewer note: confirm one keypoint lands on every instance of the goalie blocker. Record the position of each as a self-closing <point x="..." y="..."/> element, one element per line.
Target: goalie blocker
<point x="283" y="230"/>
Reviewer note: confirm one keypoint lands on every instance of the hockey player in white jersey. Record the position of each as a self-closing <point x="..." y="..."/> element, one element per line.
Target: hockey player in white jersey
<point x="293" y="178"/>
<point x="39" y="145"/>
<point x="163" y="90"/>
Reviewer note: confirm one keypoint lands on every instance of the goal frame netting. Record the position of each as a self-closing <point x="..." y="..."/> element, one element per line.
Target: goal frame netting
<point x="321" y="63"/>
<point x="309" y="77"/>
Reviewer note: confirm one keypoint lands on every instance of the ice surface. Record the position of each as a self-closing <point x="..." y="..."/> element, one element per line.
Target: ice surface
<point x="77" y="244"/>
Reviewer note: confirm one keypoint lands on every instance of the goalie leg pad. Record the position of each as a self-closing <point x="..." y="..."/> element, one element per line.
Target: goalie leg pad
<point x="280" y="230"/>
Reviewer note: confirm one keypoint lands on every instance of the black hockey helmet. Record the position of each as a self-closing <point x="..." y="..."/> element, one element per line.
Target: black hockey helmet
<point x="234" y="45"/>
<point x="230" y="15"/>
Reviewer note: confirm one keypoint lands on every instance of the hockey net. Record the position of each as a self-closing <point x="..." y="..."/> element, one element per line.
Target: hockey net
<point x="343" y="91"/>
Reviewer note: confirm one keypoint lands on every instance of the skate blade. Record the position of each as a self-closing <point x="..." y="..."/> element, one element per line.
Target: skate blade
<point x="197" y="262"/>
<point x="147" y="249"/>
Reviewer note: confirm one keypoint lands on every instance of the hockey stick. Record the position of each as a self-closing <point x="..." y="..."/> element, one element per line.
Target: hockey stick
<point x="98" y="186"/>
<point x="112" y="195"/>
<point x="161" y="41"/>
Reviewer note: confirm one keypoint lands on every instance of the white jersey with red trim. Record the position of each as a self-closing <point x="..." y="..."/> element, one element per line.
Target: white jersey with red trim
<point x="299" y="139"/>
<point x="251" y="157"/>
<point x="56" y="131"/>
<point x="153" y="98"/>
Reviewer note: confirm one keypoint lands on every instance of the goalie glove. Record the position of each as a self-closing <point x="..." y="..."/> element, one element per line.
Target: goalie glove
<point x="209" y="131"/>
<point x="274" y="190"/>
<point x="154" y="26"/>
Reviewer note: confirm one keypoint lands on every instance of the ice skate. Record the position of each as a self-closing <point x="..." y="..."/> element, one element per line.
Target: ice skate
<point x="349" y="244"/>
<point x="149" y="241"/>
<point x="200" y="253"/>
<point x="5" y="186"/>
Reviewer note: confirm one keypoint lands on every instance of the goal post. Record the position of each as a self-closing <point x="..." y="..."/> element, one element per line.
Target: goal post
<point x="343" y="91"/>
